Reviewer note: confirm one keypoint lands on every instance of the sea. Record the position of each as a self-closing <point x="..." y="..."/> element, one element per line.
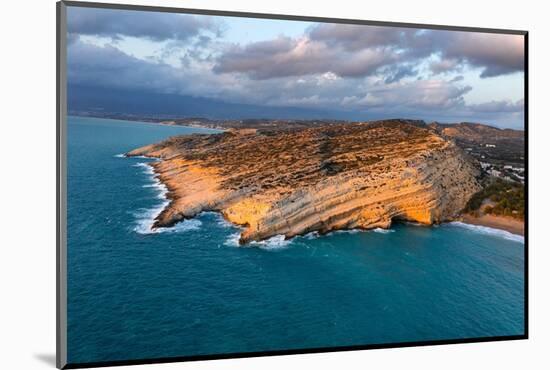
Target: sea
<point x="192" y="290"/>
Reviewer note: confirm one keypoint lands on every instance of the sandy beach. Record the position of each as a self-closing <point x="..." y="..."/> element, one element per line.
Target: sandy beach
<point x="512" y="225"/>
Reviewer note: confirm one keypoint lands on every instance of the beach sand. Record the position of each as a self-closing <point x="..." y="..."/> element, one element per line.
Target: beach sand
<point x="512" y="225"/>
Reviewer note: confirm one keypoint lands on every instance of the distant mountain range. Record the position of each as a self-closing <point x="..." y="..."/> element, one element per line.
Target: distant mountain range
<point x="101" y="101"/>
<point x="131" y="104"/>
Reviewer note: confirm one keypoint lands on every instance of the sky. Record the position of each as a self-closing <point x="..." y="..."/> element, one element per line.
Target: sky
<point x="371" y="72"/>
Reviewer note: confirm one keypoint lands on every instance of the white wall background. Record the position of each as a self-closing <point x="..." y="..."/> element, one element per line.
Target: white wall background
<point x="27" y="194"/>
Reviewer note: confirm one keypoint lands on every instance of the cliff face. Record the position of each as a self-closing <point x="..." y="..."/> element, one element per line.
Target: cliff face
<point x="316" y="179"/>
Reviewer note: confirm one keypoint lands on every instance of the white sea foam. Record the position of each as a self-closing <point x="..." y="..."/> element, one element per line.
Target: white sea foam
<point x="146" y="217"/>
<point x="383" y="231"/>
<point x="223" y="222"/>
<point x="489" y="231"/>
<point x="312" y="235"/>
<point x="185" y="225"/>
<point x="122" y="155"/>
<point x="350" y="231"/>
<point x="233" y="240"/>
<point x="411" y="223"/>
<point x="279" y="241"/>
<point x="274" y="243"/>
<point x="146" y="167"/>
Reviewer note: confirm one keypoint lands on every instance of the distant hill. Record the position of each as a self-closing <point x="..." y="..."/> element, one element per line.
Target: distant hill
<point x="476" y="132"/>
<point x="498" y="147"/>
<point x="100" y="101"/>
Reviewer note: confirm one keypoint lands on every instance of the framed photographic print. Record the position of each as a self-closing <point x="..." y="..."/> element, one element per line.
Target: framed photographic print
<point x="236" y="184"/>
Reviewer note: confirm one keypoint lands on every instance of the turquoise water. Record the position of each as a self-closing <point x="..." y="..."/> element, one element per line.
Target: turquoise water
<point x="191" y="291"/>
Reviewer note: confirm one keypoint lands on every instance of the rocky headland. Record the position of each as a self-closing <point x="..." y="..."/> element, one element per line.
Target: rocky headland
<point x="326" y="178"/>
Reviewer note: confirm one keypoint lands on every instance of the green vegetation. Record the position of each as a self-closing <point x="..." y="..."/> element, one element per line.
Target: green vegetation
<point x="504" y="198"/>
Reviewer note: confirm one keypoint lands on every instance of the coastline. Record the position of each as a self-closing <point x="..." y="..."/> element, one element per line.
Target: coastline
<point x="152" y="122"/>
<point x="123" y="120"/>
<point x="509" y="224"/>
<point x="513" y="226"/>
<point x="168" y="216"/>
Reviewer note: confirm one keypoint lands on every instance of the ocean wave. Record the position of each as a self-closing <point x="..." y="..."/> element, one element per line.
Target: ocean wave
<point x="347" y="231"/>
<point x="276" y="242"/>
<point x="223" y="222"/>
<point x="412" y="223"/>
<point x="312" y="235"/>
<point x="383" y="231"/>
<point x="162" y="191"/>
<point x="146" y="167"/>
<point x="146" y="220"/>
<point x="182" y="226"/>
<point x="146" y="217"/>
<point x="121" y="155"/>
<point x="233" y="240"/>
<point x="489" y="231"/>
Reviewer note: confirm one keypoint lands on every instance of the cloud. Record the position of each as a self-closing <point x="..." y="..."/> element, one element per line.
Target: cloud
<point x="495" y="54"/>
<point x="444" y="66"/>
<point x="500" y="106"/>
<point x="108" y="66"/>
<point x="358" y="51"/>
<point x="418" y="94"/>
<point x="398" y="73"/>
<point x="284" y="56"/>
<point x="370" y="72"/>
<point x="98" y="65"/>
<point x="358" y="37"/>
<point x="373" y="97"/>
<point x="154" y="26"/>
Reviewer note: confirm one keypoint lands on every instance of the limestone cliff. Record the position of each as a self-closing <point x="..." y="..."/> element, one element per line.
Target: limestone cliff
<point x="360" y="175"/>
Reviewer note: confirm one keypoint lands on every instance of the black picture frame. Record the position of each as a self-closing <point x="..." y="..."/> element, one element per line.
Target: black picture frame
<point x="61" y="202"/>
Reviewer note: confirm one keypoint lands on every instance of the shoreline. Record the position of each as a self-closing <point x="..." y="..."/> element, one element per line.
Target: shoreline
<point x="514" y="226"/>
<point x="161" y="123"/>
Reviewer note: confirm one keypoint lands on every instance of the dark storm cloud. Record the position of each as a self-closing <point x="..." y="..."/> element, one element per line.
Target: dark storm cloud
<point x="149" y="25"/>
<point x="109" y="67"/>
<point x="329" y="66"/>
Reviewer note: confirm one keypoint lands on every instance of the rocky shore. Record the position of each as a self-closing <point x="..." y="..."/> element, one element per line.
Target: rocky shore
<point x="340" y="176"/>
